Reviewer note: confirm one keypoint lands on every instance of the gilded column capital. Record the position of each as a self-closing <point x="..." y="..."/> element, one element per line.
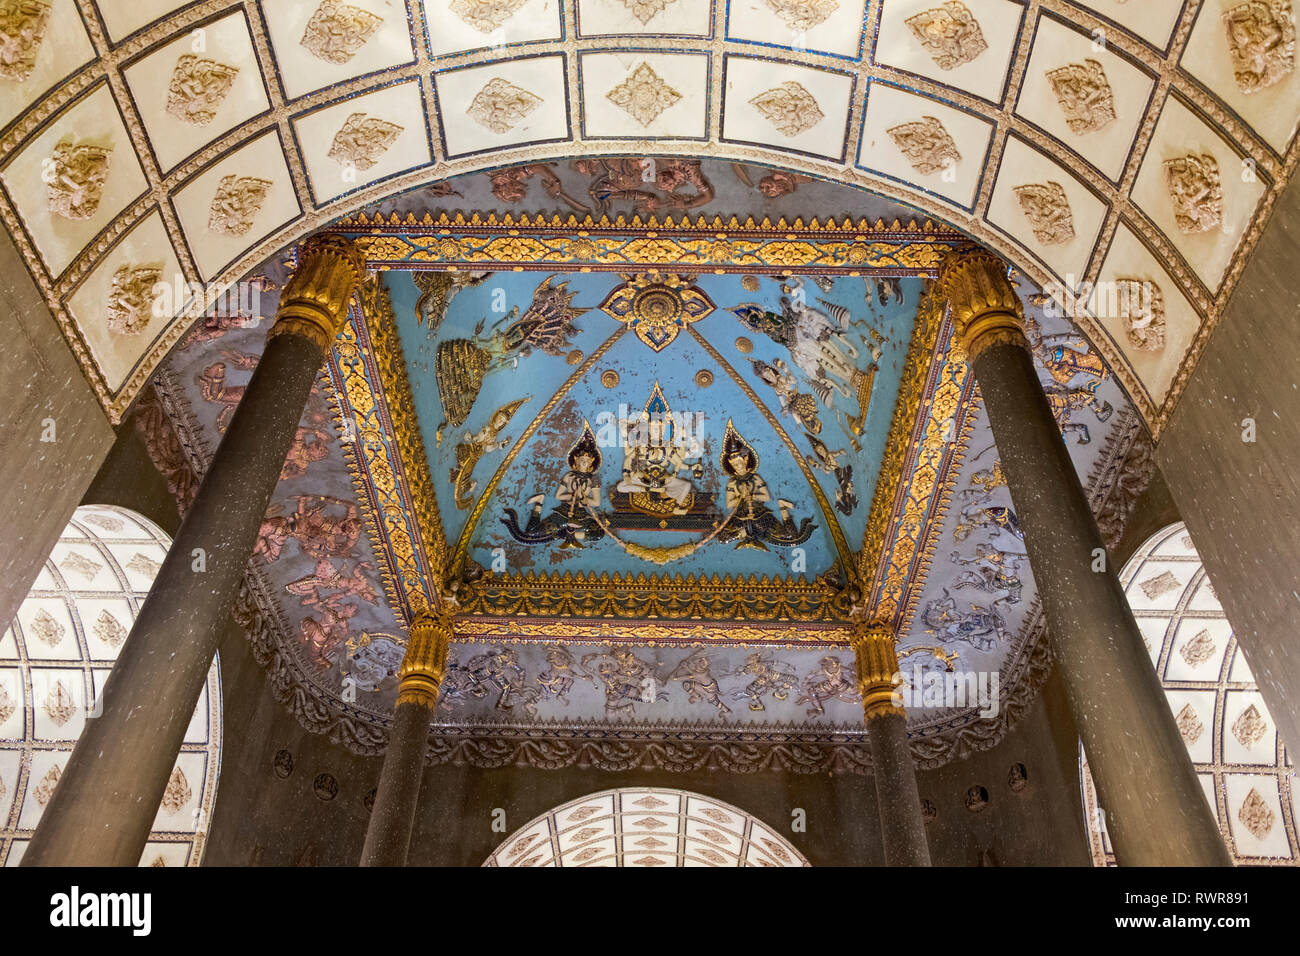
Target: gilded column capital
<point x="878" y="676"/>
<point x="425" y="664"/>
<point x="985" y="308"/>
<point x="314" y="303"/>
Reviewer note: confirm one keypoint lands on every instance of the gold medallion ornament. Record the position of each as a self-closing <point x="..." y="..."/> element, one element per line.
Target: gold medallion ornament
<point x="1085" y="96"/>
<point x="643" y="95"/>
<point x="130" y="299"/>
<point x="789" y="107"/>
<point x="950" y="34"/>
<point x="1196" y="191"/>
<point x="749" y="283"/>
<point x="485" y="16"/>
<point x="609" y="378"/>
<point x="803" y="15"/>
<point x="336" y="31"/>
<point x="1047" y="208"/>
<point x="1261" y="39"/>
<point x="574" y="357"/>
<point x="500" y="106"/>
<point x="236" y="204"/>
<point x="76" y="180"/>
<point x="198" y="88"/>
<point x="704" y="378"/>
<point x="22" y="28"/>
<point x="926" y="144"/>
<point x="657" y="306"/>
<point x="361" y="140"/>
<point x="744" y="346"/>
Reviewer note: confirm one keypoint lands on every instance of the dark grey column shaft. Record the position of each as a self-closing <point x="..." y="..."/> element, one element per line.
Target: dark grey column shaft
<point x="1156" y="812"/>
<point x="388" y="837"/>
<point x="104" y="806"/>
<point x="901" y="824"/>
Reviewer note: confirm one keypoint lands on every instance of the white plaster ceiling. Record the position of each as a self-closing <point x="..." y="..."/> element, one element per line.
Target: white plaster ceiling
<point x="953" y="107"/>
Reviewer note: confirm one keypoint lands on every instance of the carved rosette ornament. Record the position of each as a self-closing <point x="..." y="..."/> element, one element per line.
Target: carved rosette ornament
<point x="425" y="664"/>
<point x="803" y="15"/>
<point x="336" y="31"/>
<point x="1047" y="208"/>
<point x="237" y="202"/>
<point x="1261" y="40"/>
<point x="643" y="95"/>
<point x="361" y="140"/>
<point x="500" y="106"/>
<point x="1197" y="192"/>
<point x="1085" y="96"/>
<point x="950" y="34"/>
<point x="75" y="182"/>
<point x="485" y="15"/>
<point x="985" y="308"/>
<point x="130" y="299"/>
<point x="926" y="144"/>
<point x="22" y="28"/>
<point x="647" y="10"/>
<point x="789" y="107"/>
<point x="314" y="303"/>
<point x="878" y="674"/>
<point x="1140" y="306"/>
<point x="198" y="88"/>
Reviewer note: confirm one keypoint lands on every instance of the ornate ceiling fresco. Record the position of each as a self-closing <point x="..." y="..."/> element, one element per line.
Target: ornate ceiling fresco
<point x="653" y="492"/>
<point x="1111" y="142"/>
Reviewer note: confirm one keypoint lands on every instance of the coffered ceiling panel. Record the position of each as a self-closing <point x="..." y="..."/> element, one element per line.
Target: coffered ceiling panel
<point x="1198" y="189"/>
<point x="114" y="305"/>
<point x="786" y="107"/>
<point x="373" y="97"/>
<point x="923" y="141"/>
<point x="1089" y="98"/>
<point x="614" y="17"/>
<point x="512" y="103"/>
<point x="318" y="44"/>
<point x="1244" y="53"/>
<point x="1046" y="210"/>
<point x="124" y="17"/>
<point x="1144" y="313"/>
<point x="190" y="91"/>
<point x="630" y="95"/>
<point x="459" y="25"/>
<point x="236" y="202"/>
<point x="74" y="177"/>
<point x="823" y="26"/>
<point x="969" y="46"/>
<point x="363" y="140"/>
<point x="31" y="70"/>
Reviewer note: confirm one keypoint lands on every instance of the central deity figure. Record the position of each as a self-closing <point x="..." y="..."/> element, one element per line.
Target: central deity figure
<point x="658" y="469"/>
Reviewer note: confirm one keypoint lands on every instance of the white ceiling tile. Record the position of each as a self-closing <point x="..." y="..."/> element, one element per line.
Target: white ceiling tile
<point x="370" y="137"/>
<point x="1057" y="48"/>
<point x="1180" y="135"/>
<point x="124" y="17"/>
<point x="786" y="107"/>
<point x="824" y="26"/>
<point x="975" y="62"/>
<point x="365" y="36"/>
<point x="1152" y="20"/>
<point x="459" y="25"/>
<point x="678" y="17"/>
<point x="63" y="47"/>
<point x="503" y="104"/>
<point x="186" y="95"/>
<point x="635" y="94"/>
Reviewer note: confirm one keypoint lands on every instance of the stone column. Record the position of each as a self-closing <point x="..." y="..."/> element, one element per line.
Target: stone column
<point x="897" y="797"/>
<point x="1156" y="811"/>
<point x="105" y="803"/>
<point x="388" y="838"/>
